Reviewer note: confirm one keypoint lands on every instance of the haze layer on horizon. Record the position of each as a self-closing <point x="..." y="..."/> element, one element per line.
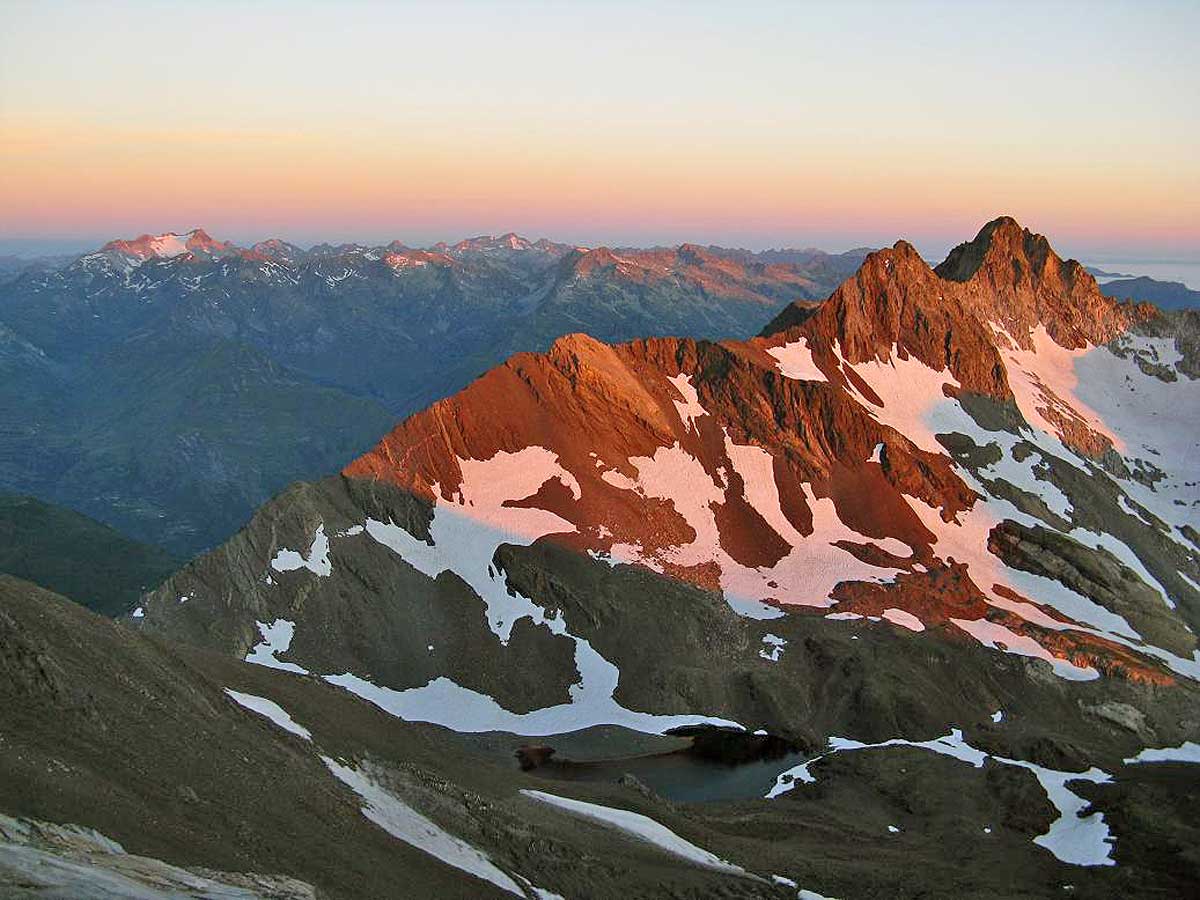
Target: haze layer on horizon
<point x="755" y="125"/>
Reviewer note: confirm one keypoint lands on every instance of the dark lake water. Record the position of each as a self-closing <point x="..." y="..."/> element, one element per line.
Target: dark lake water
<point x="681" y="777"/>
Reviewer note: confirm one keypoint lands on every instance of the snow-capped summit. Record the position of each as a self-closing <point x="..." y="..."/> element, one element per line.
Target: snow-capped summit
<point x="490" y="243"/>
<point x="167" y="246"/>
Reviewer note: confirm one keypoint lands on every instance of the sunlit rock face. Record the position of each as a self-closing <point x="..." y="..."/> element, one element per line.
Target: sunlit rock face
<point x="990" y="462"/>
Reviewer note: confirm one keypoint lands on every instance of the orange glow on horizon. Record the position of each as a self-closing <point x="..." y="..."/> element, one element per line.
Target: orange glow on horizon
<point x="313" y="183"/>
<point x="767" y="124"/>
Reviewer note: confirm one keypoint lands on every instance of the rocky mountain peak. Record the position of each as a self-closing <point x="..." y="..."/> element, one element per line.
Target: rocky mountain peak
<point x="408" y="258"/>
<point x="587" y="262"/>
<point x="1003" y="253"/>
<point x="490" y="243"/>
<point x="578" y="345"/>
<point x="513" y="241"/>
<point x="1001" y="237"/>
<point x="695" y="254"/>
<point x="201" y="238"/>
<point x="167" y="245"/>
<point x="1007" y="281"/>
<point x="545" y="245"/>
<point x="1012" y="277"/>
<point x="895" y="303"/>
<point x="277" y="250"/>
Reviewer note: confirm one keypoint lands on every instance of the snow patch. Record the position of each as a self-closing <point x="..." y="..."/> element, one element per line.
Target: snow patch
<point x="166" y="246"/>
<point x="690" y="409"/>
<point x="904" y="619"/>
<point x="912" y="395"/>
<point x="795" y="360"/>
<point x="465" y="535"/>
<point x="774" y="647"/>
<point x="1155" y="421"/>
<point x="1082" y="840"/>
<point x="1188" y="752"/>
<point x="404" y="823"/>
<point x="996" y="636"/>
<point x="756" y="467"/>
<point x="446" y="703"/>
<point x="276" y="638"/>
<point x="270" y="710"/>
<point x="619" y="480"/>
<point x="316" y="560"/>
<point x="1073" y="838"/>
<point x="1044" y="380"/>
<point x="642" y="827"/>
<point x="1024" y="474"/>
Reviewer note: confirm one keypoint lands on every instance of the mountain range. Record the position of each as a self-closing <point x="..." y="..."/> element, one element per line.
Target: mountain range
<point x="1163" y="294"/>
<point x="896" y="598"/>
<point x="168" y="384"/>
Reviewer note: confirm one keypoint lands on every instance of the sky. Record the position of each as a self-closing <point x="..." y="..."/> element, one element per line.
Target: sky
<point x="743" y="124"/>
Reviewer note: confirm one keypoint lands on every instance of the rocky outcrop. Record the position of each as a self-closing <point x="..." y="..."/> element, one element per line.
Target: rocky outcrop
<point x="1012" y="276"/>
<point x="896" y="303"/>
<point x="1094" y="573"/>
<point x="66" y="862"/>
